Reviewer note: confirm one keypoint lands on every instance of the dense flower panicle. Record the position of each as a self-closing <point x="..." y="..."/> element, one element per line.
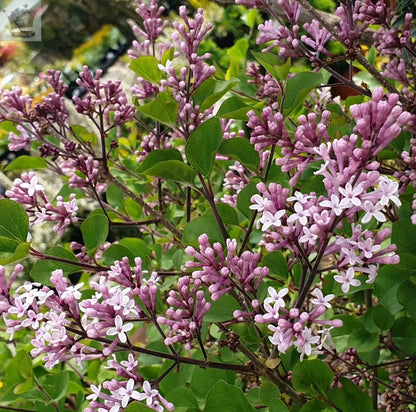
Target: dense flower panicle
<point x="268" y="130"/>
<point x="64" y="213"/>
<point x="300" y="152"/>
<point x="319" y="36"/>
<point x="91" y="169"/>
<point x="16" y="106"/>
<point x="285" y="39"/>
<point x="217" y="270"/>
<point x="103" y="98"/>
<point x="186" y="312"/>
<point x="266" y="85"/>
<point x="108" y="313"/>
<point x="192" y="32"/>
<point x="19" y="142"/>
<point x="31" y="195"/>
<point x="348" y="29"/>
<point x="53" y="77"/>
<point x="303" y="226"/>
<point x="379" y="121"/>
<point x="153" y="24"/>
<point x="290" y="327"/>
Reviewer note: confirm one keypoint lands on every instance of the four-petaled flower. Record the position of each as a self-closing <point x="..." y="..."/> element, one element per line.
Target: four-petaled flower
<point x="347" y="279"/>
<point x="301" y="215"/>
<point x="120" y="329"/>
<point x="32" y="186"/>
<point x="128" y="392"/>
<point x="269" y="219"/>
<point x="372" y="210"/>
<point x="321" y="299"/>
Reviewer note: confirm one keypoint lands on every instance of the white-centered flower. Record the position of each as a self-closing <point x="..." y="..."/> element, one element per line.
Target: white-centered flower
<point x="120" y="329"/>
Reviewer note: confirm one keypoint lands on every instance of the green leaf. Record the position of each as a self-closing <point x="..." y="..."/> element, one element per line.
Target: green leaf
<point x="202" y="146"/>
<point x="371" y="56"/>
<point x="233" y="108"/>
<point x="222" y="309"/>
<point x="42" y="269"/>
<point x="14" y="223"/>
<point x="163" y="109"/>
<point x="182" y="396"/>
<point x="24" y="386"/>
<point x="226" y="398"/>
<point x="406" y="296"/>
<point x="363" y="341"/>
<point x="211" y="90"/>
<point x="173" y="170"/>
<point x="382" y="317"/>
<point x="26" y="163"/>
<point x="340" y="335"/>
<point x="239" y="50"/>
<point x="83" y="134"/>
<point x="387" y="284"/>
<point x="156" y="156"/>
<point x="137" y="407"/>
<point x="41" y="406"/>
<point x="116" y="252"/>
<point x="136" y="246"/>
<point x="276" y="263"/>
<point x="404" y="236"/>
<point x="350" y="398"/>
<point x="25" y="365"/>
<point x="268" y="393"/>
<point x="94" y="231"/>
<point x="403" y="333"/>
<point x="11" y="250"/>
<point x="56" y="385"/>
<point x="378" y="319"/>
<point x="298" y="87"/>
<point x="316" y="405"/>
<point x="204" y="379"/>
<point x="202" y="224"/>
<point x="269" y="61"/>
<point x="147" y="68"/>
<point x="312" y="375"/>
<point x="115" y="196"/>
<point x="277" y="406"/>
<point x="227" y="213"/>
<point x="242" y="150"/>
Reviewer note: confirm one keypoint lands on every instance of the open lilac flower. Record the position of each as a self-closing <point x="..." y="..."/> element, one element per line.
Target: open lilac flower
<point x="347" y="279"/>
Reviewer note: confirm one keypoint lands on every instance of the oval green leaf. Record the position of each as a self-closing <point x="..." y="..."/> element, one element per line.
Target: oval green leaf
<point x="203" y="144"/>
<point x="94" y="231"/>
<point x="242" y="150"/>
<point x="403" y="333"/>
<point x="173" y="170"/>
<point x="222" y="309"/>
<point x="27" y="163"/>
<point x="312" y="376"/>
<point x="226" y="398"/>
<point x="14" y="223"/>
<point x="156" y="156"/>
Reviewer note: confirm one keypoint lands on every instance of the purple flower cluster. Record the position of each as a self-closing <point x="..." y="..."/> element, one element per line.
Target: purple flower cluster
<point x="185" y="321"/>
<point x="106" y="100"/>
<point x="296" y="327"/>
<point x="31" y="195"/>
<point x="308" y="221"/>
<point x="222" y="273"/>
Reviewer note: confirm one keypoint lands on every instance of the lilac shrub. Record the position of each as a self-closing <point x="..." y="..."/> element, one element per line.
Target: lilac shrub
<point x="251" y="238"/>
